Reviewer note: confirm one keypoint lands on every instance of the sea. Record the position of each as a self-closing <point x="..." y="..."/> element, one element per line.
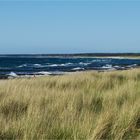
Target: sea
<point x="43" y="65"/>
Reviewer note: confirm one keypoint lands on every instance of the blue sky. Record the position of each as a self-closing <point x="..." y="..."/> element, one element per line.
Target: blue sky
<point x="69" y="26"/>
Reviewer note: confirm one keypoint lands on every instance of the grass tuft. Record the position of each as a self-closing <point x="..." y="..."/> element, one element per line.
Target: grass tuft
<point x="13" y="109"/>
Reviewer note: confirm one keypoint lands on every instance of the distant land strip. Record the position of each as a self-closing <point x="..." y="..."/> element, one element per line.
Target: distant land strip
<point x="75" y="55"/>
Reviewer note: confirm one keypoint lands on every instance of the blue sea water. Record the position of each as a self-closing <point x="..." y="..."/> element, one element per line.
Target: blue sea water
<point x="39" y="65"/>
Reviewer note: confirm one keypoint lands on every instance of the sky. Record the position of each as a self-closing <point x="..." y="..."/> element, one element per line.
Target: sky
<point x="70" y="26"/>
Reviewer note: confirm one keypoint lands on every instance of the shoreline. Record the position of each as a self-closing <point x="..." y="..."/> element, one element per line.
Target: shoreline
<point x="6" y="77"/>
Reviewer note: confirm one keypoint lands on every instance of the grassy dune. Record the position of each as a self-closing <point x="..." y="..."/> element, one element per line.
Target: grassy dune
<point x="86" y="105"/>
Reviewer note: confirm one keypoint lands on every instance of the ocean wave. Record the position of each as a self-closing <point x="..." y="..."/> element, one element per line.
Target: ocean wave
<point x="60" y="65"/>
<point x="37" y="65"/>
<point x="23" y="65"/>
<point x="12" y="74"/>
<point x="118" y="67"/>
<point x="44" y="65"/>
<point x="44" y="73"/>
<point x="32" y="66"/>
<point x="132" y="66"/>
<point x="109" y="67"/>
<point x="53" y="65"/>
<point x="84" y="64"/>
<point x="78" y="68"/>
<point x="50" y="73"/>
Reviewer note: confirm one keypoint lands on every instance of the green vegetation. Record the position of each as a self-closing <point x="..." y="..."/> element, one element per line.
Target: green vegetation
<point x="84" y="105"/>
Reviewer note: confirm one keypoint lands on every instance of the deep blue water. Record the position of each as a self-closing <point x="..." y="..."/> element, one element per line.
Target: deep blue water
<point x="33" y="65"/>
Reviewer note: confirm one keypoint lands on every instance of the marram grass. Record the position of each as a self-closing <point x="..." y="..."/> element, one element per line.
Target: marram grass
<point x="85" y="105"/>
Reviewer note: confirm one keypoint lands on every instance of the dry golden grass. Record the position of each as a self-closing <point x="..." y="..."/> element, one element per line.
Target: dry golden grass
<point x="86" y="105"/>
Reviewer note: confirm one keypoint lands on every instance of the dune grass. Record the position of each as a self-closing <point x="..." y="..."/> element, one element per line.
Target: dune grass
<point x="86" y="105"/>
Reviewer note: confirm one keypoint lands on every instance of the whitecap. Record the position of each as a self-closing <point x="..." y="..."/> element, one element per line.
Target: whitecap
<point x="107" y="66"/>
<point x="23" y="65"/>
<point x="62" y="64"/>
<point x="53" y="65"/>
<point x="85" y="64"/>
<point x="66" y="64"/>
<point x="50" y="73"/>
<point x="44" y="73"/>
<point x="78" y="68"/>
<point x="12" y="74"/>
<point x="117" y="67"/>
<point x="37" y="65"/>
<point x="132" y="66"/>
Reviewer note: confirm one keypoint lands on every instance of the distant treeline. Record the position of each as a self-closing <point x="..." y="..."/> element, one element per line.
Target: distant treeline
<point x="73" y="55"/>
